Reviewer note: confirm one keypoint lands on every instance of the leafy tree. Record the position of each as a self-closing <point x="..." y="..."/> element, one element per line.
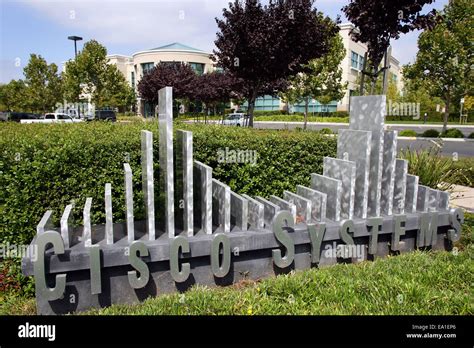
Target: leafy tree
<point x="378" y="21"/>
<point x="322" y="81"/>
<point x="215" y="88"/>
<point x="445" y="56"/>
<point x="264" y="44"/>
<point x="13" y="96"/>
<point x="90" y="73"/>
<point x="392" y="90"/>
<point x="468" y="103"/>
<point x="117" y="91"/>
<point x="178" y="75"/>
<point x="43" y="84"/>
<point x="416" y="91"/>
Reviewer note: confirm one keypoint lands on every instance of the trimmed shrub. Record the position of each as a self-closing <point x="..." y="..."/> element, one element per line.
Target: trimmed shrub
<point x="452" y="133"/>
<point x="47" y="166"/>
<point x="471" y="136"/>
<point x="326" y="131"/>
<point x="269" y="113"/>
<point x="430" y="133"/>
<point x="407" y="133"/>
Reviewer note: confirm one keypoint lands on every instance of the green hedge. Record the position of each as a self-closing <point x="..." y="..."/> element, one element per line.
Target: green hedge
<point x="452" y="133"/>
<point x="432" y="117"/>
<point x="430" y="133"/>
<point x="315" y="114"/>
<point x="269" y="113"/>
<point x="47" y="166"/>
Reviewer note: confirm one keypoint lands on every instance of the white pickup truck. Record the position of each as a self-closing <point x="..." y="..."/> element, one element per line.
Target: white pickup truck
<point x="55" y="117"/>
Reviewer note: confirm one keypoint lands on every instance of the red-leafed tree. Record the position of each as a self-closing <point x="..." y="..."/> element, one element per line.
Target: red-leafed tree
<point x="378" y="21"/>
<point x="264" y="44"/>
<point x="178" y="75"/>
<point x="215" y="88"/>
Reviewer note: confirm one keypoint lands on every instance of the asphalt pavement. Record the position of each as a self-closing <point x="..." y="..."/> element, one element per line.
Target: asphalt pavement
<point x="451" y="147"/>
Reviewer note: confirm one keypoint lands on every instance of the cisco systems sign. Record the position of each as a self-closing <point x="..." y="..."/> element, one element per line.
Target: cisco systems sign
<point x="364" y="205"/>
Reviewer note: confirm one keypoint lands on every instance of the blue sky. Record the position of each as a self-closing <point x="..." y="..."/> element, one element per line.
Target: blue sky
<point x="124" y="27"/>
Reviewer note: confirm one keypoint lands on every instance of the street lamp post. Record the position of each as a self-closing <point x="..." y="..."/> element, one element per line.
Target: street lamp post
<point x="75" y="39"/>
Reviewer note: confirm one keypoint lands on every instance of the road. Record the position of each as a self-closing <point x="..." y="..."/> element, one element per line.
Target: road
<point x="418" y="128"/>
<point x="448" y="148"/>
<point x="462" y="147"/>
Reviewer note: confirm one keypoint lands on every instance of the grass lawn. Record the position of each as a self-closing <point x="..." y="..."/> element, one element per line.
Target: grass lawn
<point x="413" y="283"/>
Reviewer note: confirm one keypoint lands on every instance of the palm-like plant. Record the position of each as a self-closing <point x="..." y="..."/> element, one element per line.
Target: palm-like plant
<point x="434" y="170"/>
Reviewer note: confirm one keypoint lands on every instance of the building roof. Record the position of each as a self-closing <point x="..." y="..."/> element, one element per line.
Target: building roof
<point x="176" y="46"/>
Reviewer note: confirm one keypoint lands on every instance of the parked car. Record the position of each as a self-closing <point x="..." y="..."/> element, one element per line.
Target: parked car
<point x="104" y="115"/>
<point x="18" y="116"/>
<point x="55" y="117"/>
<point x="237" y="119"/>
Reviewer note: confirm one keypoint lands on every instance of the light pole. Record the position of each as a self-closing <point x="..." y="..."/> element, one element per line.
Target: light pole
<point x="75" y="39"/>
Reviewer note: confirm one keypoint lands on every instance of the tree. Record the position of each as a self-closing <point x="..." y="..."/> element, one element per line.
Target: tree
<point x="215" y="88"/>
<point x="13" y="96"/>
<point x="445" y="56"/>
<point x="178" y="75"/>
<point x="117" y="91"/>
<point x="264" y="44"/>
<point x="415" y="90"/>
<point x="392" y="92"/>
<point x="43" y="84"/>
<point x="378" y="21"/>
<point x="90" y="73"/>
<point x="322" y="81"/>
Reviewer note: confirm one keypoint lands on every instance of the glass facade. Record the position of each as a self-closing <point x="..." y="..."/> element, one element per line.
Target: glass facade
<point x="269" y="103"/>
<point x="132" y="79"/>
<point x="265" y="103"/>
<point x="315" y="106"/>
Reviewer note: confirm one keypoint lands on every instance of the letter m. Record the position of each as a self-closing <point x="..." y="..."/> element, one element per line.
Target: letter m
<point x="428" y="232"/>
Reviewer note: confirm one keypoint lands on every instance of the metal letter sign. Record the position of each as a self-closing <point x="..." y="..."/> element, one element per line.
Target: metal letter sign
<point x="198" y="231"/>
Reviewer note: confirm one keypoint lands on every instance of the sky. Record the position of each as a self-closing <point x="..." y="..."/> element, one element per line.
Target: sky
<point x="125" y="27"/>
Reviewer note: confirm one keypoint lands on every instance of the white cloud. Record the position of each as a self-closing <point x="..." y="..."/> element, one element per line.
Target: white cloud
<point x="142" y="23"/>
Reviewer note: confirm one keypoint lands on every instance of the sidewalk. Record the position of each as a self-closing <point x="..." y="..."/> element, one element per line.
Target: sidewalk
<point x="463" y="197"/>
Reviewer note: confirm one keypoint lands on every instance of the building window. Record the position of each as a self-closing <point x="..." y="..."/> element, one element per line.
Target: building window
<point x="357" y="61"/>
<point x="147" y="67"/>
<point x="132" y="79"/>
<point x="394" y="78"/>
<point x="354" y="60"/>
<point x="361" y="62"/>
<point x="198" y="68"/>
